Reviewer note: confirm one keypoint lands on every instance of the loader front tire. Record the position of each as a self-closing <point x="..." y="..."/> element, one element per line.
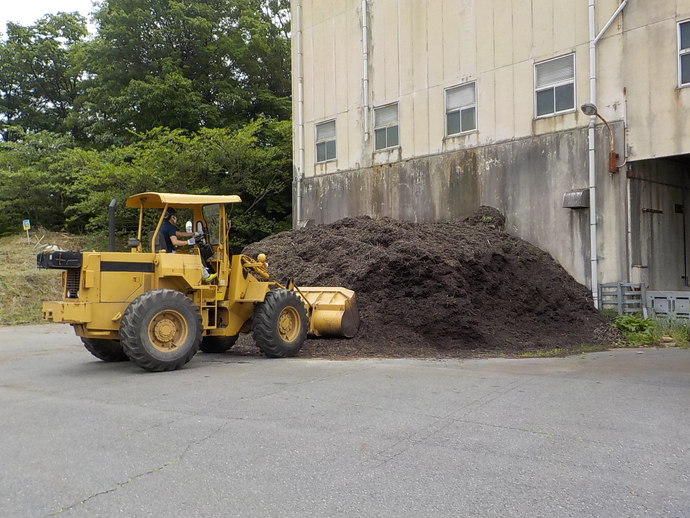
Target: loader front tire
<point x="161" y="330"/>
<point x="106" y="350"/>
<point x="280" y="324"/>
<point x="217" y="344"/>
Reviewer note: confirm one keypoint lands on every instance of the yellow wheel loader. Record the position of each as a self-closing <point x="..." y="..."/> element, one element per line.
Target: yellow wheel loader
<point x="158" y="309"/>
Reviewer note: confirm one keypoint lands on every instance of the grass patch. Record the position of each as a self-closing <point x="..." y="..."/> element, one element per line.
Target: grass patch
<point x="544" y="353"/>
<point x="22" y="285"/>
<point x="560" y="352"/>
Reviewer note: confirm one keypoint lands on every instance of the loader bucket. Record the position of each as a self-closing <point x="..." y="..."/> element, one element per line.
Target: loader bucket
<point x="332" y="311"/>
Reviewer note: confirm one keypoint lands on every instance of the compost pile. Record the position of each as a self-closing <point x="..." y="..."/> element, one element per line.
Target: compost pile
<point x="448" y="289"/>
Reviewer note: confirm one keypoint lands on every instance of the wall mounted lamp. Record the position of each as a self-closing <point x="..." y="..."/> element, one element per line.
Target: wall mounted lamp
<point x="591" y="110"/>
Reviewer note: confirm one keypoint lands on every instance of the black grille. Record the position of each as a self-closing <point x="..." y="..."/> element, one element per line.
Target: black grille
<point x="72" y="284"/>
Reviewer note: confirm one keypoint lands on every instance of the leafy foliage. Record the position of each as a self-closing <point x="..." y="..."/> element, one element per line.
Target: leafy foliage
<point x="187" y="64"/>
<point x="169" y="95"/>
<point x="63" y="187"/>
<point x="650" y="331"/>
<point x="41" y="69"/>
<point x="637" y="330"/>
<point x="633" y="324"/>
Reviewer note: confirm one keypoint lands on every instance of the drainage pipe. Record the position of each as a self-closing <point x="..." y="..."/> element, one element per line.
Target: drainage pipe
<point x="365" y="71"/>
<point x="593" y="40"/>
<point x="299" y="166"/>
<point x="628" y="193"/>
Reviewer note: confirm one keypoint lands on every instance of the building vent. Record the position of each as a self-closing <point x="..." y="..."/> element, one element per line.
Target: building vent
<point x="577" y="199"/>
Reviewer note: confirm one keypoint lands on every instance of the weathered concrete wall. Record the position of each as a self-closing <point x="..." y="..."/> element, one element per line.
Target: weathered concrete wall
<point x="515" y="161"/>
<point x="425" y="189"/>
<point x="525" y="179"/>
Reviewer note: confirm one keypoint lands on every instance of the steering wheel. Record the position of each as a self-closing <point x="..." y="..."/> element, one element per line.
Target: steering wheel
<point x="201" y="236"/>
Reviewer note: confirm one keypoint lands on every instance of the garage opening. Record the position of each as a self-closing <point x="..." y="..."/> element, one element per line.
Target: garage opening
<point x="659" y="211"/>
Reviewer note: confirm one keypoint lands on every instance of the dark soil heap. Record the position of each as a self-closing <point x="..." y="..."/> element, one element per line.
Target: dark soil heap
<point x="437" y="289"/>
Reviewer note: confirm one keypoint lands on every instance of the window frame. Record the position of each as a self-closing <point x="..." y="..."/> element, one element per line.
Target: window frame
<point x="387" y="126"/>
<point x="681" y="52"/>
<point x="553" y="87"/>
<point x="461" y="109"/>
<point x="325" y="141"/>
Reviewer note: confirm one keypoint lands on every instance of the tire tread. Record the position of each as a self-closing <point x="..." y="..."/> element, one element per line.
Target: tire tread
<point x="133" y="318"/>
<point x="265" y="330"/>
<point x="106" y="350"/>
<point x="217" y="344"/>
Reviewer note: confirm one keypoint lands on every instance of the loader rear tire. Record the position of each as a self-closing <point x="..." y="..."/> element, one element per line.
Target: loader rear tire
<point x="217" y="344"/>
<point x="280" y="324"/>
<point x="161" y="330"/>
<point x="106" y="350"/>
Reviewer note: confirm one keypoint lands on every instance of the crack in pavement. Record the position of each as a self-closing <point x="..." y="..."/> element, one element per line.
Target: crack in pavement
<point x="120" y="485"/>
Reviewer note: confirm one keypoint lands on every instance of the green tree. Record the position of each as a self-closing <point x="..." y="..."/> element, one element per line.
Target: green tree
<point x="186" y="64"/>
<point x="41" y="74"/>
<point x="29" y="189"/>
<point x="263" y="54"/>
<point x="170" y="95"/>
<point x="14" y="100"/>
<point x="45" y="178"/>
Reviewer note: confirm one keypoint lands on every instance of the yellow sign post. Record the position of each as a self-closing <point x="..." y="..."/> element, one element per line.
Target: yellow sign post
<point x="27" y="226"/>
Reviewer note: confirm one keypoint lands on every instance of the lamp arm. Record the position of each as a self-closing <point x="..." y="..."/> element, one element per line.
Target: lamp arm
<point x="608" y="127"/>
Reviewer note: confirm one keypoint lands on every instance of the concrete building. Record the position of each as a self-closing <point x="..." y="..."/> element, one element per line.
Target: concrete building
<point x="425" y="109"/>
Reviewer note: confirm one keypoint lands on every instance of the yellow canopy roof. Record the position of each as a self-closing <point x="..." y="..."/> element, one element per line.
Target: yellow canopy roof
<point x="158" y="200"/>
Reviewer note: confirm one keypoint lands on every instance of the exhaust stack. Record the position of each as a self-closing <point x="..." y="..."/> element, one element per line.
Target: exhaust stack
<point x="111" y="225"/>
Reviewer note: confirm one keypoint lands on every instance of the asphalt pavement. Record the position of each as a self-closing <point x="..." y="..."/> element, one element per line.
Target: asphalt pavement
<point x="596" y="435"/>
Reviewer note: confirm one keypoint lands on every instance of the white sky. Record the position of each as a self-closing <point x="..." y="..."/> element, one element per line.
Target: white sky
<point x="26" y="12"/>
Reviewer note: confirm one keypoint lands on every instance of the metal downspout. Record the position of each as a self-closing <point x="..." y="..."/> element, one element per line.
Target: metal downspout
<point x="299" y="166"/>
<point x="365" y="71"/>
<point x="592" y="158"/>
<point x="593" y="40"/>
<point x="628" y="197"/>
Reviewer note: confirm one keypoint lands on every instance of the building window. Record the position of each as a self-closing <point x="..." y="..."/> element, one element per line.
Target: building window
<point x="684" y="53"/>
<point x="325" y="141"/>
<point x="461" y="109"/>
<point x="555" y="85"/>
<point x="386" y="126"/>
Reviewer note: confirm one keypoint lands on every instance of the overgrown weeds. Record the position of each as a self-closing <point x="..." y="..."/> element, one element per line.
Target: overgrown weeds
<point x="649" y="332"/>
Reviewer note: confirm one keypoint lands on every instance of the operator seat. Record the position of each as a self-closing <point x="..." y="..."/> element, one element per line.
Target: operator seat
<point x="160" y="242"/>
